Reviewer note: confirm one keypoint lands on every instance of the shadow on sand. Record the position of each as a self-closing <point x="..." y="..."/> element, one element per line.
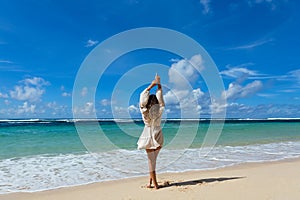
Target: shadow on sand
<point x="198" y="181"/>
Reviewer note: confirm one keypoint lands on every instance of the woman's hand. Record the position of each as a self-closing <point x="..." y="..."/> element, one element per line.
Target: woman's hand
<point x="155" y="82"/>
<point x="157" y="79"/>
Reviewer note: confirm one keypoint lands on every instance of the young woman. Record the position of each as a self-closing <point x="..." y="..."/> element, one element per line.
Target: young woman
<point x="151" y="139"/>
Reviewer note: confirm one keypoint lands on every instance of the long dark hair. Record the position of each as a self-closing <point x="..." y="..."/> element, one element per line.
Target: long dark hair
<point x="151" y="101"/>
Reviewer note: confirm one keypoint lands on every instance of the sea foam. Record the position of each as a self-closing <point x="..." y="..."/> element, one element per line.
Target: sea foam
<point x="42" y="172"/>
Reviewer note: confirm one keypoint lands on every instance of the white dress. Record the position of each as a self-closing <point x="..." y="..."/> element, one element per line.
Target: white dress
<point x="151" y="137"/>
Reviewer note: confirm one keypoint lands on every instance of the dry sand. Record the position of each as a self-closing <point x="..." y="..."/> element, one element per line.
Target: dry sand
<point x="273" y="180"/>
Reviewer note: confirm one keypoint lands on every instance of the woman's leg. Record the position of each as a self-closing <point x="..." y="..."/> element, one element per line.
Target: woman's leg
<point x="152" y="156"/>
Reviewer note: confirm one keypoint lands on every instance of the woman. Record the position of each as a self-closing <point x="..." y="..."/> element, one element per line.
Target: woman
<point x="151" y="139"/>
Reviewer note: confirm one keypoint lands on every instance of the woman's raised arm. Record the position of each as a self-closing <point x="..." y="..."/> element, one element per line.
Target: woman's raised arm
<point x="159" y="94"/>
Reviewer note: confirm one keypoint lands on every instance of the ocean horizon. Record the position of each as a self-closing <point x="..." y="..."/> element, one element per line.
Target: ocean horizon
<point x="41" y="154"/>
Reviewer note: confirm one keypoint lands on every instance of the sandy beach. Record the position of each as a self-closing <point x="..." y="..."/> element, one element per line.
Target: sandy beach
<point x="271" y="180"/>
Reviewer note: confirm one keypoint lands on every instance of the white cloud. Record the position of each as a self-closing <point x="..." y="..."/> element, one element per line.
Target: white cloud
<point x="182" y="96"/>
<point x="35" y="81"/>
<point x="252" y="45"/>
<point x="295" y="74"/>
<point x="6" y="61"/>
<point x="174" y="60"/>
<point x="185" y="99"/>
<point x="84" y="91"/>
<point x="26" y="108"/>
<point x="31" y="89"/>
<point x="91" y="43"/>
<point x="206" y="7"/>
<point x="236" y="110"/>
<point x="239" y="71"/>
<point x="236" y="91"/>
<point x="120" y="111"/>
<point x="217" y="107"/>
<point x="197" y="93"/>
<point x="124" y="112"/>
<point x="3" y="95"/>
<point x="52" y="105"/>
<point x="12" y="68"/>
<point x="133" y="109"/>
<point x="272" y="4"/>
<point x="104" y="102"/>
<point x="174" y="96"/>
<point x="266" y="95"/>
<point x="287" y="91"/>
<point x="27" y="93"/>
<point x="87" y="109"/>
<point x="189" y="104"/>
<point x="184" y="72"/>
<point x="56" y="109"/>
<point x="65" y="94"/>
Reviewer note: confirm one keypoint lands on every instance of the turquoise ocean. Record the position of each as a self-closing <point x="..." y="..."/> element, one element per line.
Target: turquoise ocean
<point x="41" y="154"/>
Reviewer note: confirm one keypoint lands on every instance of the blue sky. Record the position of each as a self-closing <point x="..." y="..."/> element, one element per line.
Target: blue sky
<point x="254" y="44"/>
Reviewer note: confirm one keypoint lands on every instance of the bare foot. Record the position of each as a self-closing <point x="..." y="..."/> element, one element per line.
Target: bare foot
<point x="150" y="183"/>
<point x="156" y="187"/>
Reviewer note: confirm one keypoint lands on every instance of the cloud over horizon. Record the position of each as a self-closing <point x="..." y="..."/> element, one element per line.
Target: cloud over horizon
<point x="29" y="89"/>
<point x="182" y="96"/>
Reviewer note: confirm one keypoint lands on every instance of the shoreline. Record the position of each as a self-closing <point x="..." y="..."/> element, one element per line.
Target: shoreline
<point x="259" y="180"/>
<point x="23" y="180"/>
